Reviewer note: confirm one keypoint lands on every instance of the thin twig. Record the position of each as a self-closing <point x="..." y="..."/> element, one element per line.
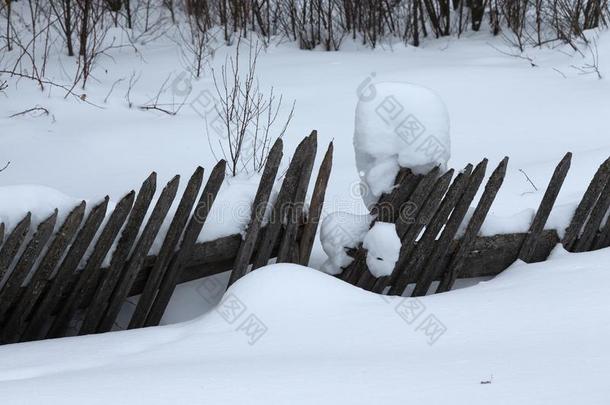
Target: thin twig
<point x="29" y="110"/>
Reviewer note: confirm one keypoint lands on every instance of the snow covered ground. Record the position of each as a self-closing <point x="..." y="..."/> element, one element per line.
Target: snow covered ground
<point x="537" y="333"/>
<point x="286" y="334"/>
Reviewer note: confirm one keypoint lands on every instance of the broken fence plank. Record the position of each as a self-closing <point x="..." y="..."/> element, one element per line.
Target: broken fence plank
<point x="545" y="208"/>
<point x="111" y="276"/>
<point x="189" y="240"/>
<point x="259" y="207"/>
<point x="175" y="231"/>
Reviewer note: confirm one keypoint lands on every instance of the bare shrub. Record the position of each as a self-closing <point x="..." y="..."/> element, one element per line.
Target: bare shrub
<point x="247" y="113"/>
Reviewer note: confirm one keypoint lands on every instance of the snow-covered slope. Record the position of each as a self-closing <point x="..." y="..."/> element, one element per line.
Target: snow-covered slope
<point x="287" y="334"/>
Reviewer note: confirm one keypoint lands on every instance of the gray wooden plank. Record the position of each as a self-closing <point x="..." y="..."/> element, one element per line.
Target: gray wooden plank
<point x="12" y="286"/>
<point x="285" y="196"/>
<point x="315" y="207"/>
<point x="136" y="261"/>
<point x="13" y="243"/>
<point x="193" y="229"/>
<point x="15" y="325"/>
<point x="259" y="207"/>
<point x="443" y="248"/>
<point x="112" y="275"/>
<point x="545" y="208"/>
<point x="166" y="252"/>
<point x="89" y="277"/>
<point x="288" y="243"/>
<point x="586" y="205"/>
<point x="592" y="227"/>
<point x="474" y="226"/>
<point x="42" y="313"/>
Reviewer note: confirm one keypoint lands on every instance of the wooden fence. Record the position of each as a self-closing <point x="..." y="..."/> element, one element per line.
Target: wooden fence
<point x="53" y="283"/>
<point x="429" y="209"/>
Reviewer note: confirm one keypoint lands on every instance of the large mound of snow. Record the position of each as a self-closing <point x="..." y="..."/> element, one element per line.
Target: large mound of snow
<point x="398" y="125"/>
<point x="289" y="334"/>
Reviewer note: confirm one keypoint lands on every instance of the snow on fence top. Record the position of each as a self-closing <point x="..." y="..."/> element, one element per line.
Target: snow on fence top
<point x="44" y="290"/>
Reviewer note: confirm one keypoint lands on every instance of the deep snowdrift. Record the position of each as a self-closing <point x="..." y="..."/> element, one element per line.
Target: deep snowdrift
<point x="289" y="334"/>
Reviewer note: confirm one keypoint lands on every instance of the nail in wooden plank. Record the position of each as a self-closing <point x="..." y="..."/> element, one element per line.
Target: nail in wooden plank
<point x="112" y="275"/>
<point x="191" y="234"/>
<point x="259" y="207"/>
<point x="544" y="210"/>
<point x="133" y="266"/>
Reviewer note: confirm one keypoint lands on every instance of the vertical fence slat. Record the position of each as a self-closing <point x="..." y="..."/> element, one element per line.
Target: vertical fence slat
<point x="1" y="234"/>
<point x="586" y="204"/>
<point x="170" y="242"/>
<point x="544" y="210"/>
<point x="120" y="255"/>
<point x="12" y="286"/>
<point x="437" y="259"/>
<point x="591" y="229"/>
<point x="191" y="234"/>
<point x="474" y="226"/>
<point x="88" y="278"/>
<point x="288" y="243"/>
<point x="425" y="214"/>
<point x="426" y="244"/>
<point x="37" y="284"/>
<point x="13" y="242"/>
<point x="259" y="207"/>
<point x="133" y="266"/>
<point x="315" y="207"/>
<point x="274" y="227"/>
<point x="57" y="285"/>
